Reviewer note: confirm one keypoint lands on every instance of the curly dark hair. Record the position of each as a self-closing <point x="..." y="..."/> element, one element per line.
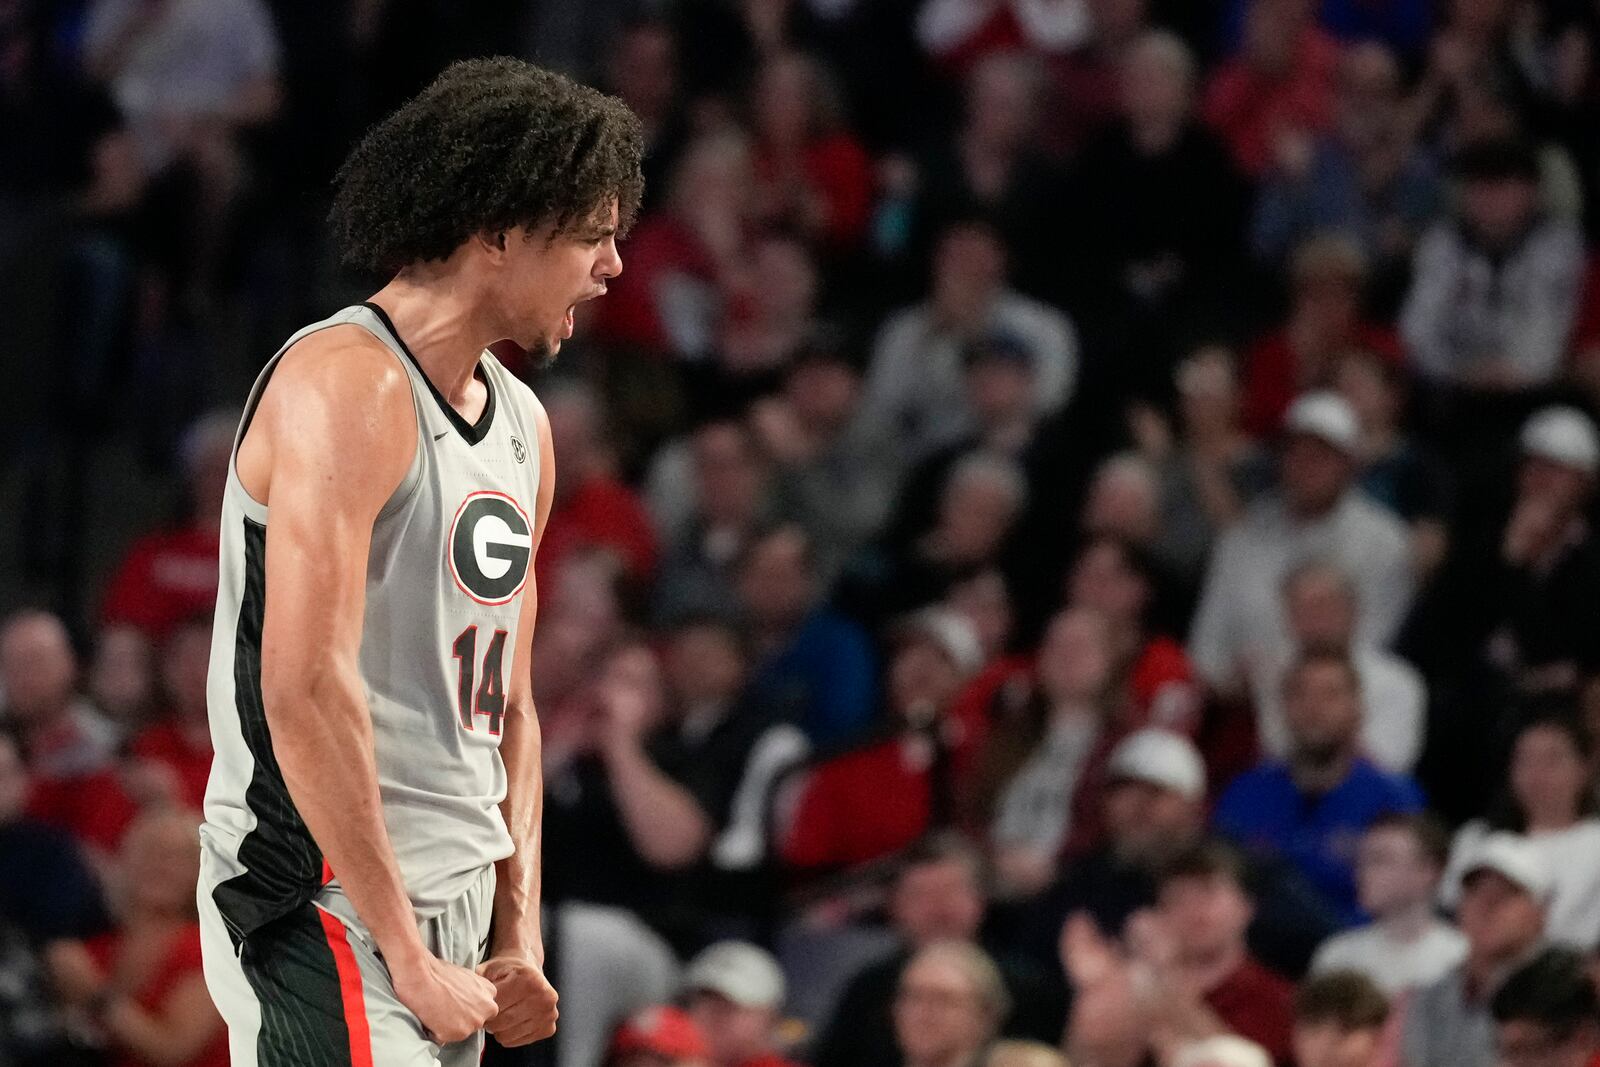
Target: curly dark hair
<point x="491" y="144"/>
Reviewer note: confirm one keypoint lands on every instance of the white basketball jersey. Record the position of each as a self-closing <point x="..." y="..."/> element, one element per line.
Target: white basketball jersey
<point x="451" y="555"/>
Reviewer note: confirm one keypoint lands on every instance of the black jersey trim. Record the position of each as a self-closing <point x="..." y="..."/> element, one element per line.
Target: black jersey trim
<point x="473" y="432"/>
<point x="282" y="864"/>
<point x="292" y="971"/>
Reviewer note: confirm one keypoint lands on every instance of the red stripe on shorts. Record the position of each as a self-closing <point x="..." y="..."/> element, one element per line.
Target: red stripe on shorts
<point x="355" y="1005"/>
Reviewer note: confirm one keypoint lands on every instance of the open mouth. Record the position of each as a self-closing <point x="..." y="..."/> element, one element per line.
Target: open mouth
<point x="567" y="321"/>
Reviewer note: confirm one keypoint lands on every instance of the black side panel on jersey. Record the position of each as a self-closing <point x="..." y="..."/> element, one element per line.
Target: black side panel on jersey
<point x="283" y="866"/>
<point x="304" y="1017"/>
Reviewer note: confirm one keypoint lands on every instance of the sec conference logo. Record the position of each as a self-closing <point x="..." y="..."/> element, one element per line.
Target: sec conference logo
<point x="490" y="546"/>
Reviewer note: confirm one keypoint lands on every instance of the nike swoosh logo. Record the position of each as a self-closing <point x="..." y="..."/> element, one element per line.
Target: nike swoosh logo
<point x="439" y="435"/>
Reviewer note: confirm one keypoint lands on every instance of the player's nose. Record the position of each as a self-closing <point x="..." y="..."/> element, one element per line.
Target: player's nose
<point x="609" y="265"/>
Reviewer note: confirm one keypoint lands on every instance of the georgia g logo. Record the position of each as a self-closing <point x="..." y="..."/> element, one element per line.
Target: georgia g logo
<point x="491" y="543"/>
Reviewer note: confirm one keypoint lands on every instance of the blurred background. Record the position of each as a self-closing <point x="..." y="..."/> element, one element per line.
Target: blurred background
<point x="1076" y="524"/>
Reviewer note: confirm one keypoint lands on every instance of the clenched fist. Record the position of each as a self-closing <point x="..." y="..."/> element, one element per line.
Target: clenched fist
<point x="451" y="1002"/>
<point x="525" y="1000"/>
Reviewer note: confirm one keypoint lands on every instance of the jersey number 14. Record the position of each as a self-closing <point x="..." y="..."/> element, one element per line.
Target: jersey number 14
<point x="490" y="697"/>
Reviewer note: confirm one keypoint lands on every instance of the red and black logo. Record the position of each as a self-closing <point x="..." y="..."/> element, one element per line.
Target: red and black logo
<point x="490" y="547"/>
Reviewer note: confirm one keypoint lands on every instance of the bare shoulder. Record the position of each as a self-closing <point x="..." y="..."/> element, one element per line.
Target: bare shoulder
<point x="344" y="366"/>
<point x="337" y="396"/>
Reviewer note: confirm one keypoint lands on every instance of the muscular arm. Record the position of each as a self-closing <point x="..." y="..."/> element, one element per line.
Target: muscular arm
<point x="517" y="887"/>
<point x="332" y="439"/>
<point x="329" y="444"/>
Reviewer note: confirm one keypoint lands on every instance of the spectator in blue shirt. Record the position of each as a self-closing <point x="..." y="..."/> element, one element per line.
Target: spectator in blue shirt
<point x="1312" y="808"/>
<point x="1401" y="24"/>
<point x="1363" y="178"/>
<point x="48" y="891"/>
<point x="813" y="664"/>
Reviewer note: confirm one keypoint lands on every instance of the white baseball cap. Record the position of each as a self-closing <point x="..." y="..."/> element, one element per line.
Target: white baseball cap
<point x="951" y="631"/>
<point x="1514" y="858"/>
<point x="1222" y="1050"/>
<point x="1161" y="758"/>
<point x="1327" y="416"/>
<point x="1562" y="435"/>
<point x="744" y="973"/>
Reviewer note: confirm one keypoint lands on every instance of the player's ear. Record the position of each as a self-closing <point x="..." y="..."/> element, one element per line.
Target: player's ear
<point x="492" y="242"/>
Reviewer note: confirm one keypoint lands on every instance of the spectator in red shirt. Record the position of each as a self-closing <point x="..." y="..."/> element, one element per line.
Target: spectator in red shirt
<point x="1197" y="977"/>
<point x="986" y="603"/>
<point x="870" y="803"/>
<point x="1325" y="321"/>
<point x="1118" y="580"/>
<point x="180" y="744"/>
<point x="78" y="784"/>
<point x="141" y="987"/>
<point x="171" y="574"/>
<point x="96" y="809"/>
<point x="668" y="301"/>
<point x="1203" y="905"/>
<point x="593" y="509"/>
<point x="811" y="175"/>
<point x="1279" y="89"/>
<point x="735" y="992"/>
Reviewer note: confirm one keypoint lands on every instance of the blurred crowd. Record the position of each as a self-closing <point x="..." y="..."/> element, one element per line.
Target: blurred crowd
<point x="1075" y="535"/>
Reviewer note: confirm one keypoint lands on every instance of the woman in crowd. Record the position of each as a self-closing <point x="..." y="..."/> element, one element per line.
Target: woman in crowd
<point x="1046" y="753"/>
<point x="1550" y="800"/>
<point x="1119" y="580"/>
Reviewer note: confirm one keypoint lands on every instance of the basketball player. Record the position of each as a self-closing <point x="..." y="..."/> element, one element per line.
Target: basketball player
<point x="370" y="880"/>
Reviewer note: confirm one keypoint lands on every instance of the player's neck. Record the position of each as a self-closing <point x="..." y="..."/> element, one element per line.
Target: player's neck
<point x="443" y="329"/>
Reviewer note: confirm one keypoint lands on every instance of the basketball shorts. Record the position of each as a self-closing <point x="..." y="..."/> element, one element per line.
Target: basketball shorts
<point x="310" y="990"/>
